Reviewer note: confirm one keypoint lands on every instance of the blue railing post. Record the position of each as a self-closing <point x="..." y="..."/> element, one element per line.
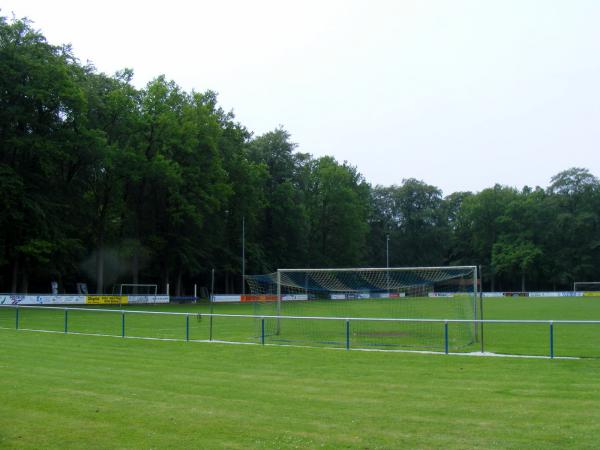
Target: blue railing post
<point x="187" y="327"/>
<point x="262" y="331"/>
<point x="66" y="319"/>
<point x="551" y="339"/>
<point x="446" y="337"/>
<point x="17" y="317"/>
<point x="347" y="334"/>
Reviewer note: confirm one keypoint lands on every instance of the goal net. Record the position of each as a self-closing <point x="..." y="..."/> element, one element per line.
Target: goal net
<point x="372" y="293"/>
<point x="586" y="286"/>
<point x="135" y="289"/>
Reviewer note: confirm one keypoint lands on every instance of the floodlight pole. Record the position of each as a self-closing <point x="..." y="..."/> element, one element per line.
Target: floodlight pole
<point x="387" y="251"/>
<point x="278" y="330"/>
<point x="480" y="278"/>
<point x="212" y="295"/>
<point x="243" y="255"/>
<point x="387" y="260"/>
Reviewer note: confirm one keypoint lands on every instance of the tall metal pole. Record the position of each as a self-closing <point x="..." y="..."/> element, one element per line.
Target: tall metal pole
<point x="481" y="307"/>
<point x="387" y="251"/>
<point x="243" y="255"/>
<point x="278" y="302"/>
<point x="212" y="294"/>
<point x="387" y="260"/>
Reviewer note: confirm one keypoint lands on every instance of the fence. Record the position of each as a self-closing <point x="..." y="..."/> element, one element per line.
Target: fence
<point x="79" y="299"/>
<point x="548" y="338"/>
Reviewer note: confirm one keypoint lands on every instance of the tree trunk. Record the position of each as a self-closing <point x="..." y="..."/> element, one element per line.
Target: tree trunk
<point x="166" y="280"/>
<point x="61" y="286"/>
<point x="178" y="284"/>
<point x="135" y="268"/>
<point x="100" y="270"/>
<point x="523" y="281"/>
<point x="15" y="276"/>
<point x="24" y="280"/>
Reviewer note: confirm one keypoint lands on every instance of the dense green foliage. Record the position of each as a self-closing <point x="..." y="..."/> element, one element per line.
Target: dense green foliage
<point x="103" y="182"/>
<point x="92" y="392"/>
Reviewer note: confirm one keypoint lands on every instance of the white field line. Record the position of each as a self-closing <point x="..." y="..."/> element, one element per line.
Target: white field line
<point x="216" y="341"/>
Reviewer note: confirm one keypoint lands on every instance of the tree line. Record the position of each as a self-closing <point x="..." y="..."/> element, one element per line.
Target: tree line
<point x="103" y="183"/>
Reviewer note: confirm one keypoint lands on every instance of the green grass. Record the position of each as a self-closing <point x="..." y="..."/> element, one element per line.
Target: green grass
<point x="76" y="391"/>
<point x="523" y="339"/>
<point x="364" y="334"/>
<point x="569" y="339"/>
<point x="374" y="334"/>
<point x="73" y="391"/>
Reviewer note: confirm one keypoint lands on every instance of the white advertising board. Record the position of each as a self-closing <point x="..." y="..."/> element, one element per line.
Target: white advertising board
<point x="49" y="299"/>
<point x="148" y="299"/>
<point x="556" y="294"/>
<point x="218" y="298"/>
<point x="294" y="297"/>
<point x="17" y="299"/>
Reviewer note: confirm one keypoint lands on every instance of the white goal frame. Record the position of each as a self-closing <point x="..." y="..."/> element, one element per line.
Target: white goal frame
<point x="379" y="269"/>
<point x="474" y="269"/>
<point x="135" y="285"/>
<point x="594" y="283"/>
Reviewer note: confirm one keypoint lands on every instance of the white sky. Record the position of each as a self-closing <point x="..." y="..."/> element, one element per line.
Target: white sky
<point x="461" y="94"/>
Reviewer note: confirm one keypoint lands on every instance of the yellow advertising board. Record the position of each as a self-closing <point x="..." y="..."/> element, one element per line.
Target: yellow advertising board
<point x="106" y="299"/>
<point x="591" y="294"/>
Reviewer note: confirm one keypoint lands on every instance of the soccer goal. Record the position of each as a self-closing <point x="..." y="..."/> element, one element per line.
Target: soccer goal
<point x="370" y="293"/>
<point x="586" y="286"/>
<point x="136" y="289"/>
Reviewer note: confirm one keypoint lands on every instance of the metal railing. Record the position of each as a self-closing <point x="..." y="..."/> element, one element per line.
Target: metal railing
<point x="182" y="330"/>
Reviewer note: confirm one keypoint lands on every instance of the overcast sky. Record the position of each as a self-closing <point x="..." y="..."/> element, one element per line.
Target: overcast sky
<point x="460" y="94"/>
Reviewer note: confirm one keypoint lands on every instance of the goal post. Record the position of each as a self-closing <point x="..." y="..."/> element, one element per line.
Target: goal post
<point x="136" y="289"/>
<point x="586" y="286"/>
<point x="400" y="292"/>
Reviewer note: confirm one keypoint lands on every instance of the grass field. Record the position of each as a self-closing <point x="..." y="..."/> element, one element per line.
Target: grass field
<point x="78" y="391"/>
<point x="581" y="340"/>
<point x="73" y="391"/>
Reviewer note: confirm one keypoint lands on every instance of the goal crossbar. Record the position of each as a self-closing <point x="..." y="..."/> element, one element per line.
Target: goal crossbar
<point x="382" y="269"/>
<point x="426" y="292"/>
<point x="595" y="284"/>
<point x="151" y="289"/>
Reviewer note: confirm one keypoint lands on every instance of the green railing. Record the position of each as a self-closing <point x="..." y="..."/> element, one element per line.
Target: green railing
<point x="546" y="338"/>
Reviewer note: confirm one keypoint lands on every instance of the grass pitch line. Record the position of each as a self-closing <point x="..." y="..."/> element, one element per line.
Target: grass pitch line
<point x="432" y="352"/>
<point x="216" y="341"/>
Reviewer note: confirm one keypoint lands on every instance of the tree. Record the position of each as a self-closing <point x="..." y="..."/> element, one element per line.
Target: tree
<point x="573" y="182"/>
<point x="110" y="163"/>
<point x="338" y="208"/>
<point x="459" y="229"/>
<point x="41" y="104"/>
<point x="482" y="214"/>
<point x="509" y="257"/>
<point x="574" y="232"/>
<point x="284" y="220"/>
<point x="413" y="216"/>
